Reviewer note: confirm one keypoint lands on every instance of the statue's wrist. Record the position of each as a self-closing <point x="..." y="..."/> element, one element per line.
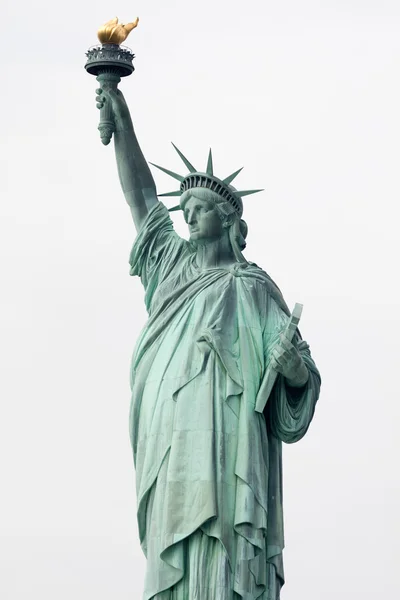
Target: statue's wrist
<point x="299" y="381"/>
<point x="124" y="125"/>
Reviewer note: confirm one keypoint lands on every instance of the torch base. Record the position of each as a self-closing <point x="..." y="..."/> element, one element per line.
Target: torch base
<point x="110" y="58"/>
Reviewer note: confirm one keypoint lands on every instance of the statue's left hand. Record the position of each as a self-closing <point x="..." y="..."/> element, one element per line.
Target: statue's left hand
<point x="287" y="360"/>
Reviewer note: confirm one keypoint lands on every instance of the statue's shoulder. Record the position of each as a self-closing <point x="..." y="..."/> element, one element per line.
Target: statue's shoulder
<point x="254" y="272"/>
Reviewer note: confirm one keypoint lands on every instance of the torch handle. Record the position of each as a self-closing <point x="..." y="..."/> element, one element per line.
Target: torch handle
<point x="107" y="125"/>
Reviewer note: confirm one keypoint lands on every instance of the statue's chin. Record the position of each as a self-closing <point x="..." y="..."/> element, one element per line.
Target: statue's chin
<point x="199" y="240"/>
<point x="196" y="237"/>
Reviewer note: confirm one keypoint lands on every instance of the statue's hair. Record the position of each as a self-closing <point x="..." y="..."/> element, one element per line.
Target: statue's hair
<point x="229" y="217"/>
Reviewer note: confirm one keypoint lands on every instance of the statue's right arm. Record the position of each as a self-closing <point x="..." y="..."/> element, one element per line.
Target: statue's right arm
<point x="134" y="174"/>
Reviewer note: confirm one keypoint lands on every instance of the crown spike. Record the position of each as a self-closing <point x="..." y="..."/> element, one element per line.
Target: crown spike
<point x="247" y="192"/>
<point x="177" y="193"/>
<point x="171" y="173"/>
<point x="174" y="208"/>
<point x="229" y="179"/>
<point x="210" y="168"/>
<point x="189" y="165"/>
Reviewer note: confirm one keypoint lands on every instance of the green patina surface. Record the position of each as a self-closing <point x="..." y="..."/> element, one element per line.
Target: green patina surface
<point x="208" y="464"/>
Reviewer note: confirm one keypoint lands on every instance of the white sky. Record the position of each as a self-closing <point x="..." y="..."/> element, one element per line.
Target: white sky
<point x="306" y="95"/>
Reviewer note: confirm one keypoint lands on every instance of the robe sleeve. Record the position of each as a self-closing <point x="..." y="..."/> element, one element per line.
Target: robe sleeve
<point x="156" y="250"/>
<point x="289" y="410"/>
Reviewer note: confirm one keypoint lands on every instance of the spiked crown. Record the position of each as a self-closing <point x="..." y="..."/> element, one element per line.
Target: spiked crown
<point x="209" y="181"/>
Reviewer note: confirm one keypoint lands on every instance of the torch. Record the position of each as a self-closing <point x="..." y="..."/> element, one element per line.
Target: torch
<point x="110" y="61"/>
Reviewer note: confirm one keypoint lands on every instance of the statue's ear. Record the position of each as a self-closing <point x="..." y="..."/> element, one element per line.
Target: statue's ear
<point x="228" y="221"/>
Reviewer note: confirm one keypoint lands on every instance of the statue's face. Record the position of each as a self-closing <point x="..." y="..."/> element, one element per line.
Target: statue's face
<point x="203" y="219"/>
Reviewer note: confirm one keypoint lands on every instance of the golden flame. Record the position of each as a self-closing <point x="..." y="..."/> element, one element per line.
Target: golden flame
<point x="113" y="32"/>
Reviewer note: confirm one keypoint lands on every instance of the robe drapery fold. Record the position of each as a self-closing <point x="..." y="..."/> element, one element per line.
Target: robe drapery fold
<point x="207" y="464"/>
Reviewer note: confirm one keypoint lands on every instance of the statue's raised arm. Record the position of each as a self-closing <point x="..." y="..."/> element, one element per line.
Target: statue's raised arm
<point x="134" y="174"/>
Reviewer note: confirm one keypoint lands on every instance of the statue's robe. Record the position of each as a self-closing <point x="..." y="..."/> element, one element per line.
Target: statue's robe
<point x="208" y="467"/>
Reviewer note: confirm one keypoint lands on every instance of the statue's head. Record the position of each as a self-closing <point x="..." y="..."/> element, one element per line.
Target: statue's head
<point x="210" y="217"/>
<point x="213" y="207"/>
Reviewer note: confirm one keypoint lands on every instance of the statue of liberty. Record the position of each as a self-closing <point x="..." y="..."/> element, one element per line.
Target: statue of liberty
<point x="208" y="465"/>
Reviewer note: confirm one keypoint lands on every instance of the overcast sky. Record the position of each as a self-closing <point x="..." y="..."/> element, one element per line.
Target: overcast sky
<point x="306" y="96"/>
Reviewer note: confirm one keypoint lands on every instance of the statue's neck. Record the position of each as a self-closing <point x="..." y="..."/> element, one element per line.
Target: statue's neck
<point x="215" y="253"/>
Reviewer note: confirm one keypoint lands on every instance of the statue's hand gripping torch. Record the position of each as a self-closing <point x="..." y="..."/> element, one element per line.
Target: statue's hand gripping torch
<point x="109" y="62"/>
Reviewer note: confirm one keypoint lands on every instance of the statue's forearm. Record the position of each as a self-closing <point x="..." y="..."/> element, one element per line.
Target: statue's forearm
<point x="136" y="179"/>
